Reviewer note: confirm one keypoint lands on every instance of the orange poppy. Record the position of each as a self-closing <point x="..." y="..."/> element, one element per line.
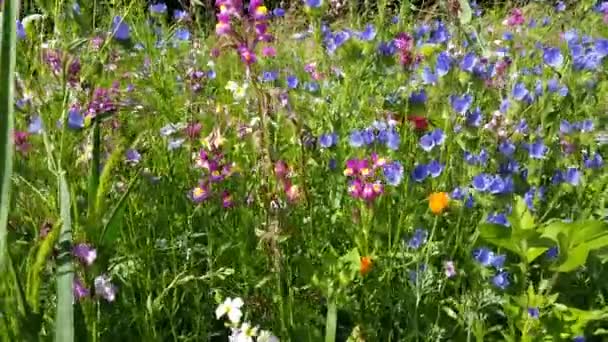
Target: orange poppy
<point x="438" y="202"/>
<point x="366" y="265"/>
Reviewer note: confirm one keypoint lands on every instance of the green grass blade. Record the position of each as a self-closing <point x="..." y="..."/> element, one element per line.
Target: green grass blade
<point x="331" y="322"/>
<point x="64" y="321"/>
<point x="7" y="89"/>
<point x="94" y="172"/>
<point x="42" y="255"/>
<point x="110" y="231"/>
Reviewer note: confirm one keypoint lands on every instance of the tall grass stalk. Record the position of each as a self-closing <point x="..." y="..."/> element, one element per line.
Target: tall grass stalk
<point x="7" y="88"/>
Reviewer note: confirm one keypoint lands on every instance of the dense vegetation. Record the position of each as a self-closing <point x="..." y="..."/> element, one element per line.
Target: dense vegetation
<point x="407" y="173"/>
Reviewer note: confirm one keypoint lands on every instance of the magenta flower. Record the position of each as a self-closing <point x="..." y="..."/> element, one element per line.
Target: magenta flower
<point x="199" y="194"/>
<point x="20" y="139"/>
<point x="80" y="291"/>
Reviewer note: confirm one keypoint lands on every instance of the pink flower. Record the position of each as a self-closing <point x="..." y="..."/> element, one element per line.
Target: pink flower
<point x="516" y="18"/>
<point x="269" y="51"/>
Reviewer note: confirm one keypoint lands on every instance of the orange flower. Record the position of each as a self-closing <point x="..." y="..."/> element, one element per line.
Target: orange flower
<point x="366" y="265"/>
<point x="438" y="202"/>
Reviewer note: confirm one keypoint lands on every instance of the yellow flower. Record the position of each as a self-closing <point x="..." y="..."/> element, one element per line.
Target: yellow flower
<point x="438" y="202"/>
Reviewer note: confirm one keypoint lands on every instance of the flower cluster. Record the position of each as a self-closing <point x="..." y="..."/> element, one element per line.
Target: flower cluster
<point x="241" y="331"/>
<point x="282" y="172"/>
<point x="380" y="131"/>
<point x="103" y="286"/>
<point x="486" y="258"/>
<point x="216" y="169"/>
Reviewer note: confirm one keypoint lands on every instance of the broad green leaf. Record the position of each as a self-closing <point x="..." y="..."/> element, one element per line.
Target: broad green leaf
<point x="576" y="257"/>
<point x="588" y="230"/>
<point x="8" y="57"/>
<point x="534" y="252"/>
<point x="499" y="236"/>
<point x="520" y="218"/>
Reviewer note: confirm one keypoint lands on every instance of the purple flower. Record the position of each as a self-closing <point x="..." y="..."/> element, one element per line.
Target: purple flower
<point x="80" y="291"/>
<point x="356" y="138"/>
<point x="418" y="97"/>
<point x="473" y="119"/>
<point x="420" y="173"/>
<point x="553" y="57"/>
<point x="104" y="288"/>
<point x="75" y="119"/>
<point x="132" y="156"/>
<point x="85" y="253"/>
<point x="418" y="239"/>
<point x="458" y="193"/>
<point x="483" y="256"/>
<point x="120" y="29"/>
<point x="461" y="104"/>
<point x="180" y="15"/>
<point x="182" y="34"/>
<point x="506" y="148"/>
<point x="501" y="280"/>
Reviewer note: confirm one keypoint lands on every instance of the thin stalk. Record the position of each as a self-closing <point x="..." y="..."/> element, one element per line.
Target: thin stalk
<point x="7" y="90"/>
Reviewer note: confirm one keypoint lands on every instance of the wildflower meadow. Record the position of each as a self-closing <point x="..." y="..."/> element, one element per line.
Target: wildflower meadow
<point x="306" y="170"/>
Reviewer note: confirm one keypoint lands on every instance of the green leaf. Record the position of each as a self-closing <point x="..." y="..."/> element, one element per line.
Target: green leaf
<point x="587" y="231"/>
<point x="520" y="218"/>
<point x="94" y="173"/>
<point x="44" y="251"/>
<point x="64" y="321"/>
<point x="534" y="252"/>
<point x="499" y="236"/>
<point x="111" y="230"/>
<point x="465" y="14"/>
<point x="576" y="257"/>
<point x="7" y="102"/>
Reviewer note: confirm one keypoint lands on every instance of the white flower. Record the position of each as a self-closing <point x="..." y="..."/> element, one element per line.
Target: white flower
<point x="232" y="86"/>
<point x="232" y="308"/>
<point x="267" y="336"/>
<point x="246" y="333"/>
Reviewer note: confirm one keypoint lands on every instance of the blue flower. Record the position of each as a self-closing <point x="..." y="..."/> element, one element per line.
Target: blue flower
<point x="392" y="139"/>
<point x="499" y="219"/>
<point x="75" y="119"/>
<point x="499" y="185"/>
<point x="132" y="156"/>
<point x="270" y="76"/>
<point x="537" y="150"/>
<point x="435" y="168"/>
<point x="428" y="77"/>
<point x="312" y="87"/>
<point x="483" y="256"/>
<point x="120" y="29"/>
<point x="443" y="65"/>
<point x="596" y="162"/>
<point x="563" y="91"/>
<point x="393" y="172"/>
<point x="278" y="12"/>
<point x="328" y="140"/>
<point x="461" y="104"/>
<point x="440" y="34"/>
<point x="601" y="47"/>
<point x="418" y="97"/>
<point x="520" y="91"/>
<point x="473" y="119"/>
<point x="356" y="138"/>
<point x="20" y="30"/>
<point x="538" y="88"/>
<point x="504" y="106"/>
<point x="432" y="139"/>
<point x="180" y="15"/>
<point x="509" y="167"/>
<point x="522" y="127"/>
<point x="292" y="82"/>
<point x="579" y="338"/>
<point x="35" y="126"/>
<point x="158" y="8"/>
<point x="182" y="34"/>
<point x="418" y="239"/>
<point x="501" y="280"/>
<point x="506" y="148"/>
<point x="458" y="193"/>
<point x="369" y="33"/>
<point x="560" y="6"/>
<point x="498" y="261"/>
<point x="552" y="56"/>
<point x="481" y="182"/>
<point x="572" y="176"/>
<point x="468" y="62"/>
<point x="314" y="3"/>
<point x="533" y="312"/>
<point x="552" y="253"/>
<point x="387" y="48"/>
<point x="420" y="173"/>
